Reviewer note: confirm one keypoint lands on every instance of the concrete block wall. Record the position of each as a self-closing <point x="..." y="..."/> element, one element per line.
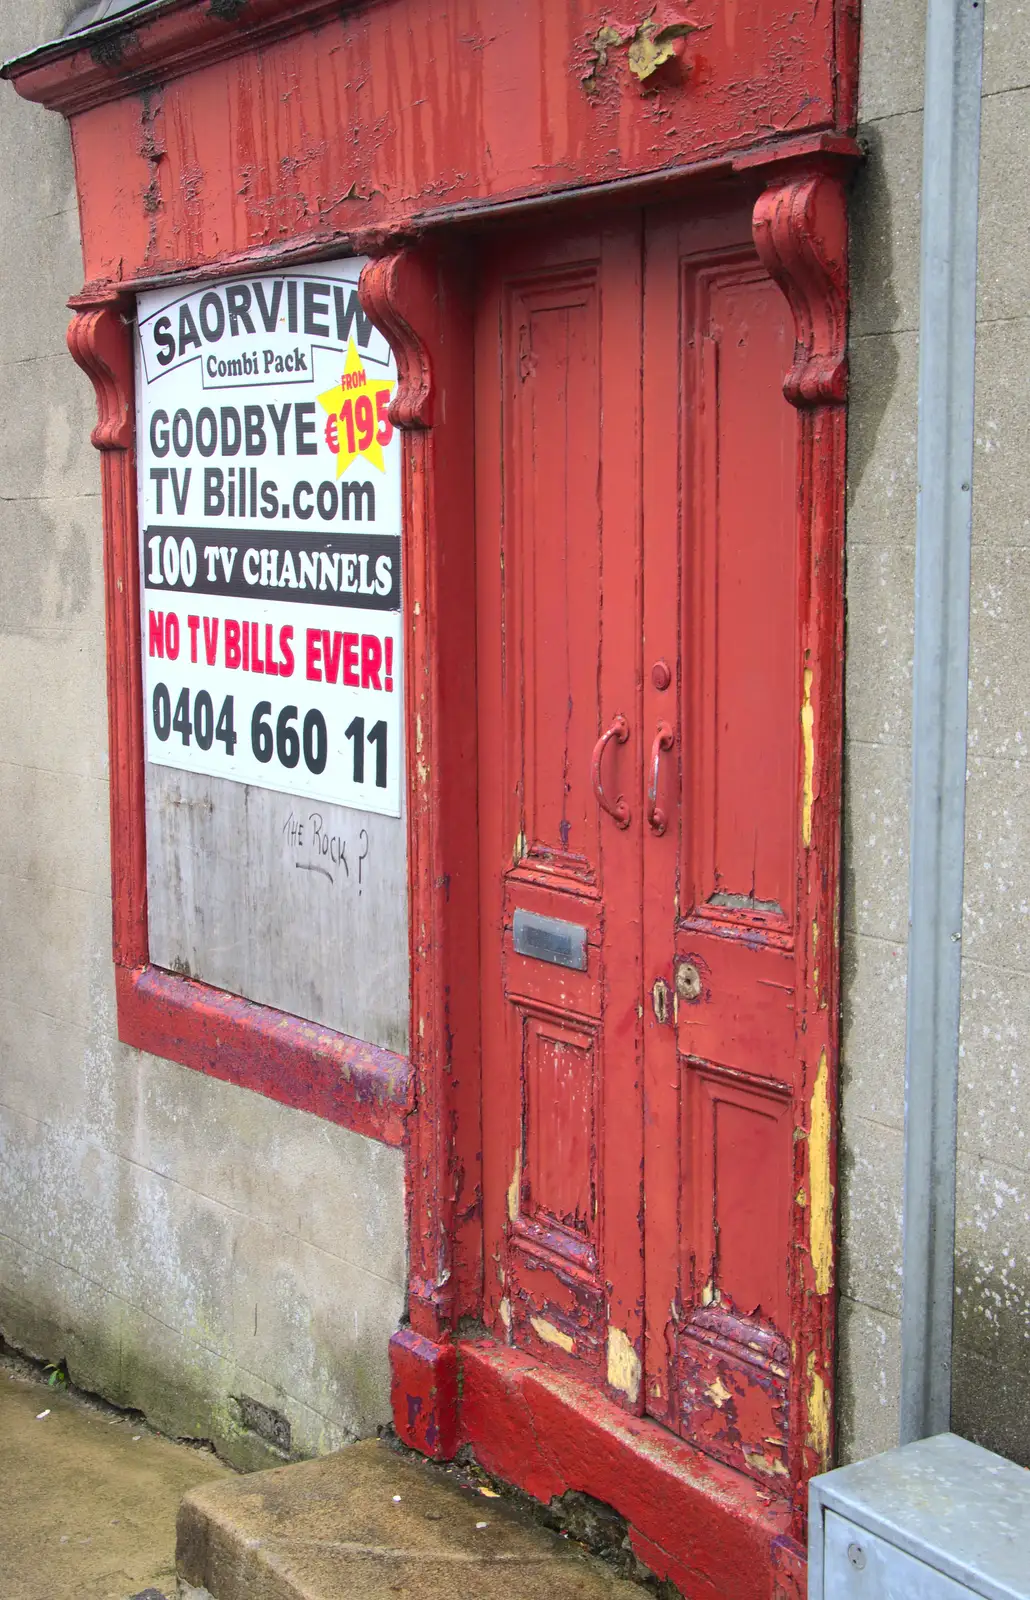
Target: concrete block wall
<point x="177" y="1241"/>
<point x="878" y="690"/>
<point x="991" y="1380"/>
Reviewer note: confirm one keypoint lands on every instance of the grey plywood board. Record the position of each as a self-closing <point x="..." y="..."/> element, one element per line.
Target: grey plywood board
<point x="292" y="903"/>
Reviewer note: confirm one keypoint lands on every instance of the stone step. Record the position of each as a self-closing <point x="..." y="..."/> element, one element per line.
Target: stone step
<point x="370" y="1524"/>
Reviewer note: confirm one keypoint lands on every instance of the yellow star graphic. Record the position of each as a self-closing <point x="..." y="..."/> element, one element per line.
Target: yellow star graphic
<point x="357" y="424"/>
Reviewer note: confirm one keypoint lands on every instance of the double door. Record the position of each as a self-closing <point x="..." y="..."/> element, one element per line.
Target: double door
<point x="641" y="691"/>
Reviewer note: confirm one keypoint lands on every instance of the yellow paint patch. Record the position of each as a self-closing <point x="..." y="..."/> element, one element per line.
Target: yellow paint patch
<point x="623" y="1365"/>
<point x="818" y="1413"/>
<point x="519" y="849"/>
<point x="820" y="1216"/>
<point x="515" y="1186"/>
<point x="652" y="46"/>
<point x="808" y="738"/>
<point x="772" y="1466"/>
<point x="801" y="1198"/>
<point x="552" y="1335"/>
<point x="718" y="1393"/>
<point x="709" y="1294"/>
<point x="504" y="1310"/>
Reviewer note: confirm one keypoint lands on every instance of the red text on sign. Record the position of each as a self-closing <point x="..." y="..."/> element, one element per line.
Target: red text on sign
<point x="357" y="660"/>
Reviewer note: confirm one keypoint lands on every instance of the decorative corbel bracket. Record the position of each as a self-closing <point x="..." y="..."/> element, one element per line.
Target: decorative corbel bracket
<point x="386" y="284"/>
<point x="100" y="344"/>
<point x="800" y="230"/>
<point x="100" y="340"/>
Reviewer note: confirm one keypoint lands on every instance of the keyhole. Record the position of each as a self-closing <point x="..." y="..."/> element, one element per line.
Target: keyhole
<point x="661" y="1000"/>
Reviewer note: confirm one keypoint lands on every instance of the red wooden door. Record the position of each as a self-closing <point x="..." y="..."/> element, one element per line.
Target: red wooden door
<point x="721" y="883"/>
<point x="640" y="692"/>
<point x="558" y="553"/>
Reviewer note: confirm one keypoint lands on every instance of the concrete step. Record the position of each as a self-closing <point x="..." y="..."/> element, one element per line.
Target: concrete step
<point x="370" y="1524"/>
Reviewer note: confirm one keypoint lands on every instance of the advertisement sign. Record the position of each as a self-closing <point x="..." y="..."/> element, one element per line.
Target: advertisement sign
<point x="270" y="521"/>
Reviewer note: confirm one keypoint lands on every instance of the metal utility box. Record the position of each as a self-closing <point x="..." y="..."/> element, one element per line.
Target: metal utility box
<point x="935" y="1520"/>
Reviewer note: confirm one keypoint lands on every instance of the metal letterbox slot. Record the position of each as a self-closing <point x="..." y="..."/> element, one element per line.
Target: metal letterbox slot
<point x="563" y="944"/>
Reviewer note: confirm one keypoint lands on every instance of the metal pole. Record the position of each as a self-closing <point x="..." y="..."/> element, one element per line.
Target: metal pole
<point x="947" y="337"/>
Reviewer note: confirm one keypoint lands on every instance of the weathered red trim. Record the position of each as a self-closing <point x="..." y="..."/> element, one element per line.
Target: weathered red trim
<point x="424" y="1393"/>
<point x="691" y="1519"/>
<point x="789" y="1569"/>
<point x="100" y="340"/>
<point x="298" y="1063"/>
<point x="388" y="288"/>
<point x="420" y="301"/>
<point x="74" y="74"/>
<point x="846" y="42"/>
<point x="408" y="231"/>
<point x="800" y="232"/>
<point x="172" y="92"/>
<point x="645" y="187"/>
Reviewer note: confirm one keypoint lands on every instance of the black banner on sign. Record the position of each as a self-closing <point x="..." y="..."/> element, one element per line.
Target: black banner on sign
<point x="358" y="571"/>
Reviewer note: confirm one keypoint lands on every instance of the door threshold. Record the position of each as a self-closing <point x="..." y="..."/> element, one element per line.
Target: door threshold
<point x="710" y="1530"/>
<point x="367" y="1521"/>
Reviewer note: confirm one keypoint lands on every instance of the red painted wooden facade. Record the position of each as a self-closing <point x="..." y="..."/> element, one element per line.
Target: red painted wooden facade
<point x="610" y="254"/>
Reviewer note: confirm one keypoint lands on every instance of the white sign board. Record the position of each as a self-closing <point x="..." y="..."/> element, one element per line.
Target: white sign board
<point x="270" y="522"/>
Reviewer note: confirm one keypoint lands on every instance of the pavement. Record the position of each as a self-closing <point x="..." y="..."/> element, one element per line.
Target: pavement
<point x="88" y="1496"/>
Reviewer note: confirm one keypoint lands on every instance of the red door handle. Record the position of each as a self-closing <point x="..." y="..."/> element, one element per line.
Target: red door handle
<point x="664" y="739"/>
<point x="619" y="730"/>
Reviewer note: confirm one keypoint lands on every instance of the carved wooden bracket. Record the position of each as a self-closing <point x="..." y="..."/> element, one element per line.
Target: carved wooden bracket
<point x="99" y="342"/>
<point x="801" y="234"/>
<point x="385" y="286"/>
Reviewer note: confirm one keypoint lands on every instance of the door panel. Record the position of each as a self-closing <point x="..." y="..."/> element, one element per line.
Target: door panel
<point x="719" y="925"/>
<point x="742" y="600"/>
<point x="558" y="463"/>
<point x="743" y="1014"/>
<point x="553" y="561"/>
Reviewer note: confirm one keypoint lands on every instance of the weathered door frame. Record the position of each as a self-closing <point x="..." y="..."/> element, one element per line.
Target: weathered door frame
<point x="543" y="1432"/>
<point x="689" y="1517"/>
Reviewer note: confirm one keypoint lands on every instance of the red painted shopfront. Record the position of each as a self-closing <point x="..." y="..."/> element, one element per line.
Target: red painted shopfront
<point x="608" y="248"/>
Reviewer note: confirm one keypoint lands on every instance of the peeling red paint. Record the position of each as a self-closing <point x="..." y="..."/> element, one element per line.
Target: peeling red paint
<point x="344" y="1080"/>
<point x="432" y="133"/>
<point x="424" y="1393"/>
<point x="696" y="1397"/>
<point x="687" y="1513"/>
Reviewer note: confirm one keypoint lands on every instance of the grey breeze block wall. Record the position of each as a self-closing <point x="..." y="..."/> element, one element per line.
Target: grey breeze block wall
<point x="177" y="1241"/>
<point x="991" y="1381"/>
